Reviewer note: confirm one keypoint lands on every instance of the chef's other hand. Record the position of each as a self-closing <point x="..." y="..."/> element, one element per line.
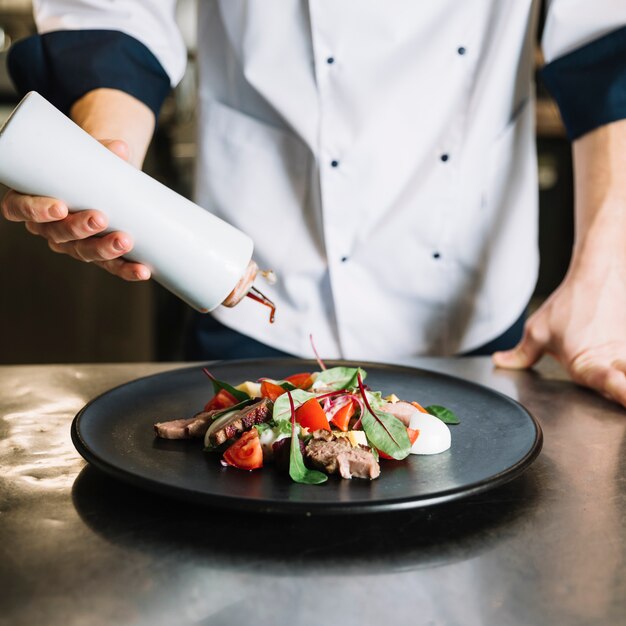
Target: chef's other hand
<point x="77" y="234"/>
<point x="583" y="325"/>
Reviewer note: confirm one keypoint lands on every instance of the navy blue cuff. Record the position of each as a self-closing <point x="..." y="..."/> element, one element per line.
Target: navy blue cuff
<point x="589" y="84"/>
<point x="64" y="65"/>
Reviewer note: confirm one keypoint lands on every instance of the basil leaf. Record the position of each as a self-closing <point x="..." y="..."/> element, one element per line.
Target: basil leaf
<point x="297" y="470"/>
<point x="282" y="408"/>
<point x="286" y="385"/>
<point x="375" y="399"/>
<point x="340" y="377"/>
<point x="220" y="384"/>
<point x="386" y="433"/>
<point x="445" y="415"/>
<point x="235" y="407"/>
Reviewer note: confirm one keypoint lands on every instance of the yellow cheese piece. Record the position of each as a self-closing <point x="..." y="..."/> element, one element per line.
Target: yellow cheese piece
<point x="355" y="437"/>
<point x="252" y="389"/>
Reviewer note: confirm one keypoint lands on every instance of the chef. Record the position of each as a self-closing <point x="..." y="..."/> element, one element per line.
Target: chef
<point x="382" y="157"/>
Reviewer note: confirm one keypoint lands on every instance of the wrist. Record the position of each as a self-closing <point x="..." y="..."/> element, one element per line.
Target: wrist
<point x="599" y="250"/>
<point x="113" y="114"/>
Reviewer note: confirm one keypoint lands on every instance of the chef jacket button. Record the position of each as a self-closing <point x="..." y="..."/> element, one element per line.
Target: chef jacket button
<point x="461" y="50"/>
<point x="444" y="157"/>
<point x="334" y="163"/>
<point x="344" y="259"/>
<point x="436" y="255"/>
<point x="330" y="60"/>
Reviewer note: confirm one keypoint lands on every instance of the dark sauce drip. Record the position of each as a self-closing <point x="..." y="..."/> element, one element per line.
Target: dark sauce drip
<point x="257" y="296"/>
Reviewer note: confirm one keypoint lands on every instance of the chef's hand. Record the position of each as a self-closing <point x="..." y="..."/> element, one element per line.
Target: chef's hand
<point x="77" y="234"/>
<point x="583" y="325"/>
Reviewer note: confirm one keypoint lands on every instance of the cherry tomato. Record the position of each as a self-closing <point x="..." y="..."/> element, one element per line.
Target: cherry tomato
<point x="311" y="415"/>
<point x="246" y="452"/>
<point x="341" y="418"/>
<point x="301" y="381"/>
<point x="221" y="400"/>
<point x="413" y="434"/>
<point x="271" y="390"/>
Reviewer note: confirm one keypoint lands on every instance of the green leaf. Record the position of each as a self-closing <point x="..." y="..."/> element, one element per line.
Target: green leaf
<point x="445" y="415"/>
<point x="220" y="384"/>
<point x="285" y="384"/>
<point x="337" y="378"/>
<point x="262" y="427"/>
<point x="375" y="399"/>
<point x="297" y="469"/>
<point x="386" y="433"/>
<point x="282" y="408"/>
<point x="235" y="407"/>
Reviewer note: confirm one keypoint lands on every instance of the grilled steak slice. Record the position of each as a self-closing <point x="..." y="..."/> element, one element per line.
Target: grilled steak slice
<point x="174" y="429"/>
<point x="358" y="462"/>
<point x="242" y="420"/>
<point x="200" y="423"/>
<point x="335" y="455"/>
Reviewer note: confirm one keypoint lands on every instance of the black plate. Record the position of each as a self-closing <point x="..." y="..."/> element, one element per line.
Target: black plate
<point x="496" y="440"/>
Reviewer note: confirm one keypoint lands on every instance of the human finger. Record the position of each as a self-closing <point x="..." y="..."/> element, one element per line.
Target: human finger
<point x="92" y="249"/>
<point x="619" y="364"/>
<point x="19" y="207"/>
<point x="128" y="270"/>
<point x="526" y="353"/>
<point x="605" y="379"/>
<point x="118" y="147"/>
<point x="75" y="226"/>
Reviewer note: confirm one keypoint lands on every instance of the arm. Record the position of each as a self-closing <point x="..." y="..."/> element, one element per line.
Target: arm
<point x="583" y="323"/>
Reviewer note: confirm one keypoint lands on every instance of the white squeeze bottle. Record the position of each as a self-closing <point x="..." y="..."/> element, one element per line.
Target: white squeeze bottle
<point x="191" y="252"/>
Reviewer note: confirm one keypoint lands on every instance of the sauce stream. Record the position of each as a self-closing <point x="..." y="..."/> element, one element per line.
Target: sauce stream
<point x="257" y="296"/>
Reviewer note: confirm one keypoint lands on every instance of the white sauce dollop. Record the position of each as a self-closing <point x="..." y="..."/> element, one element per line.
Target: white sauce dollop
<point x="434" y="435"/>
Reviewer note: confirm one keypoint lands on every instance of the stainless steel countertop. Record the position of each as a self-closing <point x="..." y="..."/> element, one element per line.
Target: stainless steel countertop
<point x="79" y="548"/>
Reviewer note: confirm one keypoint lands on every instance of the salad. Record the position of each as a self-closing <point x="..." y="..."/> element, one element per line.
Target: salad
<point x="313" y="424"/>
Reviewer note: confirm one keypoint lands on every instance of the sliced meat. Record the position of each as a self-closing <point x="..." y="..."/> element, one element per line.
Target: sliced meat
<point x="358" y="462"/>
<point x="402" y="410"/>
<point x="200" y="423"/>
<point x="335" y="455"/>
<point x="174" y="429"/>
<point x="323" y="435"/>
<point x="242" y="420"/>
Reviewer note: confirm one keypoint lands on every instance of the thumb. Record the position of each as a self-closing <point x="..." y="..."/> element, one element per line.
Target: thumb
<point x="118" y="147"/>
<point x="525" y="354"/>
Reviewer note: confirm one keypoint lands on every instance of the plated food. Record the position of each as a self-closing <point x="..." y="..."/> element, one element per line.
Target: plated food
<point x="312" y="425"/>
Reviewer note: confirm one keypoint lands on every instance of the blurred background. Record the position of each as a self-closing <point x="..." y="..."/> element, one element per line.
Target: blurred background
<point x="56" y="310"/>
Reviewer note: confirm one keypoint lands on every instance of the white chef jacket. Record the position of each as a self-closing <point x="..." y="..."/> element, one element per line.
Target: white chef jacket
<point x="380" y="154"/>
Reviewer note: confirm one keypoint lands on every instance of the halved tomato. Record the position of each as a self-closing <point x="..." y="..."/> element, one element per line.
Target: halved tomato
<point x="301" y="381"/>
<point x="413" y="434"/>
<point x="311" y="415"/>
<point x="341" y="419"/>
<point x="221" y="400"/>
<point x="246" y="452"/>
<point x="271" y="390"/>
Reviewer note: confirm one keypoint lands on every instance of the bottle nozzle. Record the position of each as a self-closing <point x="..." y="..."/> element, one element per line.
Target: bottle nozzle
<point x="245" y="287"/>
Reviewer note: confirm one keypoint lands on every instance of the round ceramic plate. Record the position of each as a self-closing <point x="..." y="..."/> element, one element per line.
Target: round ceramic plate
<point x="496" y="440"/>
